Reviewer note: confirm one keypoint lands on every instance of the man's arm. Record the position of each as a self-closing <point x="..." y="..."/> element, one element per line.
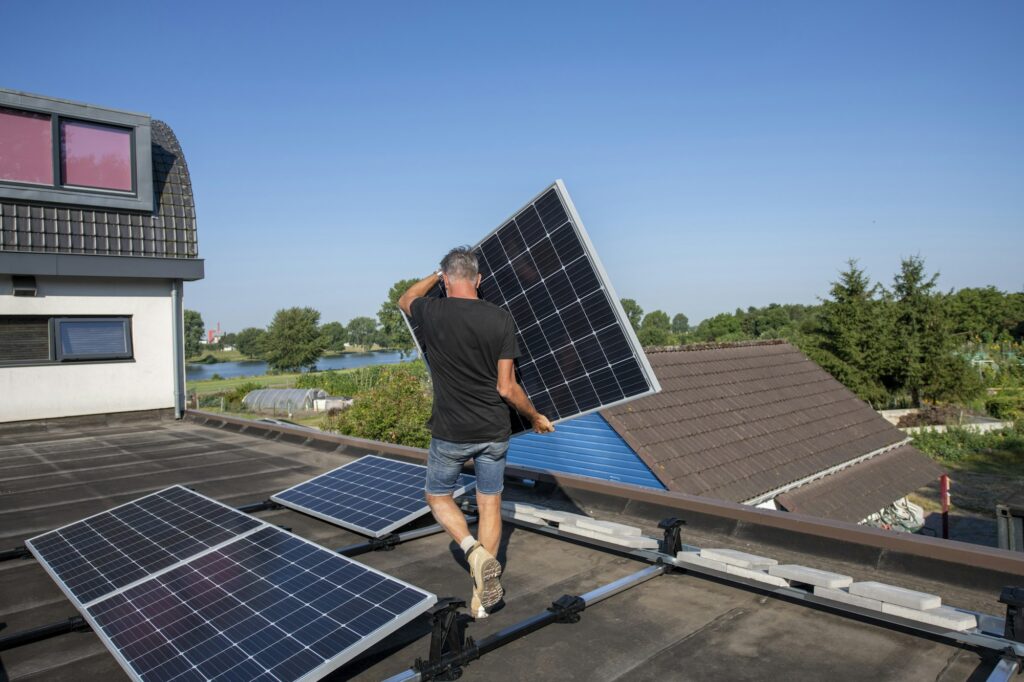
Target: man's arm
<point x="418" y="290"/>
<point x="510" y="390"/>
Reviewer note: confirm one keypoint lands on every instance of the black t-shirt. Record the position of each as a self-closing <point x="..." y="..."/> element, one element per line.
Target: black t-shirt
<point x="465" y="338"/>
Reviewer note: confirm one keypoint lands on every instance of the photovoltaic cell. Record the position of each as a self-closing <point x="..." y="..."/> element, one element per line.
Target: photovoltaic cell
<point x="372" y="495"/>
<point x="269" y="606"/>
<point x="578" y="352"/>
<point x="221" y="595"/>
<point x="100" y="554"/>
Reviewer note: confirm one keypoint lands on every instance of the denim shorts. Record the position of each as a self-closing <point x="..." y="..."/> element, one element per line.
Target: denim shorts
<point x="446" y="459"/>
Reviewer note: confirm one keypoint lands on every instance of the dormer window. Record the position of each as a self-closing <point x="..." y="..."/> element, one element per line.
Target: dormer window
<point x="59" y="152"/>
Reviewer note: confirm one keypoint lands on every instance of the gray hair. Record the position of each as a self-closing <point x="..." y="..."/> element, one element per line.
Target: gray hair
<point x="461" y="263"/>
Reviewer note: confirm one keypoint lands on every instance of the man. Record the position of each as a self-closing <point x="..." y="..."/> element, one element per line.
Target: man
<point x="471" y="346"/>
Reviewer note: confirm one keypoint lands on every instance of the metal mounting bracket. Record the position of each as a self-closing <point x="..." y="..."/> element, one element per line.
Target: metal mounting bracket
<point x="449" y="646"/>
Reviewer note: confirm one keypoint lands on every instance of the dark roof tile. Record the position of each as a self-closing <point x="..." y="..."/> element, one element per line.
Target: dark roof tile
<point x="737" y="421"/>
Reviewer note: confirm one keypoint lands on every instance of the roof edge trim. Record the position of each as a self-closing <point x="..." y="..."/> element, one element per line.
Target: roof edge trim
<point x="84" y="265"/>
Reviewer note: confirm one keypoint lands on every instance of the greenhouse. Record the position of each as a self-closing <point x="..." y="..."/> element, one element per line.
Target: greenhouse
<point x="283" y="400"/>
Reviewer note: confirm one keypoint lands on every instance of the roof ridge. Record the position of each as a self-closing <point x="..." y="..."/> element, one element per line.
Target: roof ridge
<point x="716" y="346"/>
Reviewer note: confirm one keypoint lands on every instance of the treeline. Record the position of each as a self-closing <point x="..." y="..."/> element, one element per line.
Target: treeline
<point x="901" y="344"/>
<point x="295" y="339"/>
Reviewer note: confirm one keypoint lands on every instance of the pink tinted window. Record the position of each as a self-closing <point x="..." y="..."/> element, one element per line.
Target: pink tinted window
<point x="94" y="155"/>
<point x="26" y="150"/>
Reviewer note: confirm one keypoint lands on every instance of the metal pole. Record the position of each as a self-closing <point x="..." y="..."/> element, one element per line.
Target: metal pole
<point x="45" y="632"/>
<point x="944" y="497"/>
<point x="1005" y="670"/>
<point x="178" y="331"/>
<point x="540" y="620"/>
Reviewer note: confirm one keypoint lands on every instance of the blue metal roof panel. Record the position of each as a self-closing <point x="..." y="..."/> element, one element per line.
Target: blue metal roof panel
<point x="585" y="446"/>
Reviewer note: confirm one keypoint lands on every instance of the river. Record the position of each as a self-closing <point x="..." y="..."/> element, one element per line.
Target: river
<point x="246" y="368"/>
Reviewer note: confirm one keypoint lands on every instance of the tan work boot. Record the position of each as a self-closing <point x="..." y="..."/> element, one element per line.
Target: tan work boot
<point x="485" y="570"/>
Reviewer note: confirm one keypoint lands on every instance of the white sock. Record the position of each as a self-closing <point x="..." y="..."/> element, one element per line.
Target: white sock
<point x="467" y="544"/>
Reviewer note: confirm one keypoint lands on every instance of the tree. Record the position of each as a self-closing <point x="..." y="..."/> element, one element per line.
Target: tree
<point x="293" y="340"/>
<point x="656" y="330"/>
<point x="362" y="331"/>
<point x="927" y="364"/>
<point x="194" y="330"/>
<point x="249" y="341"/>
<point x="229" y="339"/>
<point x="721" y="327"/>
<point x="851" y="336"/>
<point x="634" y="313"/>
<point x="680" y="324"/>
<point x="394" y="331"/>
<point x="335" y="335"/>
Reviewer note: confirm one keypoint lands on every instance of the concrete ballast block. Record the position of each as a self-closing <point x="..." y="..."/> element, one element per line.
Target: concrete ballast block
<point x="901" y="596"/>
<point x="609" y="527"/>
<point x="631" y="541"/>
<point x="810" y="576"/>
<point x="556" y="516"/>
<point x="847" y="598"/>
<point x="735" y="557"/>
<point x="695" y="559"/>
<point x="943" y="616"/>
<point x="755" y="574"/>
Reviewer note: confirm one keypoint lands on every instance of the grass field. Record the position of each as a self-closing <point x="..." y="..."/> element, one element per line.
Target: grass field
<point x="219" y="385"/>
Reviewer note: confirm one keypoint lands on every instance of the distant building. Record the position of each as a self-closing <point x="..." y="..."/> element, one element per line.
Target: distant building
<point x="97" y="235"/>
<point x="213" y="336"/>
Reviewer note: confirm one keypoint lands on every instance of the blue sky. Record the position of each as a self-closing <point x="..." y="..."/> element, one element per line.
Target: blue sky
<point x="721" y="155"/>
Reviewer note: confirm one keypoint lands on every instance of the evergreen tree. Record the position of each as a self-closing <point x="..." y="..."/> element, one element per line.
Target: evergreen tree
<point x="926" y="362"/>
<point x="849" y="337"/>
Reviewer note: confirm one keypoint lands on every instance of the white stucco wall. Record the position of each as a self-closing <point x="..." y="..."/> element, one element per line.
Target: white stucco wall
<point x="71" y="389"/>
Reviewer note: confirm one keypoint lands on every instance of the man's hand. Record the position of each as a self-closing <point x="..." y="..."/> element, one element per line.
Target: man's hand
<point x="542" y="425"/>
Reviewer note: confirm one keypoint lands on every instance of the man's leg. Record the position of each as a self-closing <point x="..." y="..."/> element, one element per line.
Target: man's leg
<point x="451" y="517"/>
<point x="489" y="523"/>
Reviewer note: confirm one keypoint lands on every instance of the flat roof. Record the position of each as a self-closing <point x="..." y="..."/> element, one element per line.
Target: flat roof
<point x="677" y="626"/>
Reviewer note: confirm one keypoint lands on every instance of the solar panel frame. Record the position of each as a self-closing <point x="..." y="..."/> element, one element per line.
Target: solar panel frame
<point x="94" y="614"/>
<point x="466" y="483"/>
<point x="336" y="661"/>
<point x="549" y="263"/>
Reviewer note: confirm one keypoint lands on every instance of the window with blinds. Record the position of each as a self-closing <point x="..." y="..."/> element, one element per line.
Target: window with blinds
<point x="25" y="339"/>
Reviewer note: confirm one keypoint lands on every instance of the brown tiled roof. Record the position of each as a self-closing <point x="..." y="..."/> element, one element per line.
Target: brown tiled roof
<point x="859" y="491"/>
<point x="735" y="421"/>
<point x="169" y="231"/>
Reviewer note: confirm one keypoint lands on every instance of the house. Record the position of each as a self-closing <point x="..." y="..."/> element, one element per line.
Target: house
<point x="97" y="236"/>
<point x="757" y="423"/>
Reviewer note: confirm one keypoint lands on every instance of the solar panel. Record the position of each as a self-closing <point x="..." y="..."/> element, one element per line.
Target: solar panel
<point x="206" y="592"/>
<point x="102" y="553"/>
<point x="372" y="495"/>
<point x="578" y="352"/>
<point x="269" y="606"/>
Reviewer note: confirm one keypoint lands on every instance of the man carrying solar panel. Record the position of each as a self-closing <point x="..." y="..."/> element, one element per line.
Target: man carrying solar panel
<point x="472" y="349"/>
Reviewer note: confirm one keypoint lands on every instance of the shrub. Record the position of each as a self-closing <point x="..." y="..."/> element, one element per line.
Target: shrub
<point x="355" y="382"/>
<point x="955" y="445"/>
<point x="395" y="410"/>
<point x="1008" y="404"/>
